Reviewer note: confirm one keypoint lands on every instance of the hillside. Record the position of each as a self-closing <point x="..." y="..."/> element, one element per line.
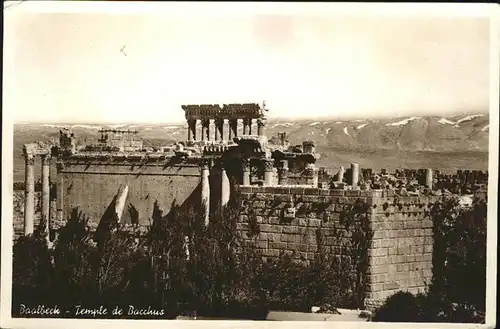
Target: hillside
<point x="448" y="143"/>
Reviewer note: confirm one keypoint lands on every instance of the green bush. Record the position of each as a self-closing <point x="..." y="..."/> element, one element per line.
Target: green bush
<point x="184" y="267"/>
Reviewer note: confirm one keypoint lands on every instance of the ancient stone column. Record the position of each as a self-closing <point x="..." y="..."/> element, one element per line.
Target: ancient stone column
<point x="205" y="129"/>
<point x="245" y="126"/>
<point x="191" y="129"/>
<point x="225" y="187"/>
<point x="46" y="193"/>
<point x="261" y="126"/>
<point x="250" y="121"/>
<point x="340" y="175"/>
<point x="190" y="136"/>
<point x="121" y="198"/>
<point x="428" y="178"/>
<point x="268" y="171"/>
<point x="219" y="129"/>
<point x="205" y="190"/>
<point x="246" y="168"/>
<point x="195" y="128"/>
<point x="308" y="147"/>
<point x="354" y="174"/>
<point x="29" y="194"/>
<point x="233" y="128"/>
<point x="60" y="192"/>
<point x="283" y="173"/>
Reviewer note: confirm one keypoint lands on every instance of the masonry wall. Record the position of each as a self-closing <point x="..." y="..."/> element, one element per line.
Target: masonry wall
<point x="280" y="234"/>
<point x="92" y="187"/>
<point x="400" y="256"/>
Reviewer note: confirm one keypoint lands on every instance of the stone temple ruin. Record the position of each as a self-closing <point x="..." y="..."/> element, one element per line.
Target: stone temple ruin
<point x="277" y="181"/>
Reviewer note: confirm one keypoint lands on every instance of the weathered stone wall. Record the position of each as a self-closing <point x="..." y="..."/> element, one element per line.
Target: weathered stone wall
<point x="400" y="255"/>
<point x="92" y="187"/>
<point x="279" y="234"/>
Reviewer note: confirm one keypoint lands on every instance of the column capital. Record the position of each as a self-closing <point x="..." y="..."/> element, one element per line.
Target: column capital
<point x="245" y="164"/>
<point x="247" y="121"/>
<point x="283" y="164"/>
<point x="29" y="150"/>
<point x="46" y="159"/>
<point x="262" y="121"/>
<point x="206" y="163"/>
<point x="29" y="159"/>
<point x="268" y="164"/>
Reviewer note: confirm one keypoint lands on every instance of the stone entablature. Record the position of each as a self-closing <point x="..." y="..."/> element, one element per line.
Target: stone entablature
<point x="225" y="111"/>
<point x="219" y="115"/>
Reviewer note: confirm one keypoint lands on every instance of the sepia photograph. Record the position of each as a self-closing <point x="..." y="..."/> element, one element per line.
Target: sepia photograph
<point x="253" y="161"/>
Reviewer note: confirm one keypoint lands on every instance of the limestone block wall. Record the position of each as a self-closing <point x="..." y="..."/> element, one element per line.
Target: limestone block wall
<point x="400" y="254"/>
<point x="92" y="187"/>
<point x="280" y="234"/>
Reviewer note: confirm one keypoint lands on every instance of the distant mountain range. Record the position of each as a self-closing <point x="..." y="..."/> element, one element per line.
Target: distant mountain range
<point x="337" y="140"/>
<point x="427" y="133"/>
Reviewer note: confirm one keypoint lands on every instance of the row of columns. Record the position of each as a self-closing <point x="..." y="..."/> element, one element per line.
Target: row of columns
<point x="268" y="171"/>
<point x="29" y="198"/>
<point x="205" y="188"/>
<point x="282" y="170"/>
<point x="355" y="175"/>
<point x="219" y="128"/>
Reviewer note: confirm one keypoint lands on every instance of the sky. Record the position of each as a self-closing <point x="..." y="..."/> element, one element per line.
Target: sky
<point x="140" y="68"/>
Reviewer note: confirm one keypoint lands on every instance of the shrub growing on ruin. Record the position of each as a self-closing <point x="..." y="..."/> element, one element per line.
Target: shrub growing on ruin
<point x="459" y="259"/>
<point x="32" y="275"/>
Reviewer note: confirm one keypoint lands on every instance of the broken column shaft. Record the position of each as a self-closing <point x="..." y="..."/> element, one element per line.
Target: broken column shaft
<point x="354" y="174"/>
<point x="225" y="187"/>
<point x="428" y="178"/>
<point x="121" y="198"/>
<point x="283" y="173"/>
<point x="340" y="175"/>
